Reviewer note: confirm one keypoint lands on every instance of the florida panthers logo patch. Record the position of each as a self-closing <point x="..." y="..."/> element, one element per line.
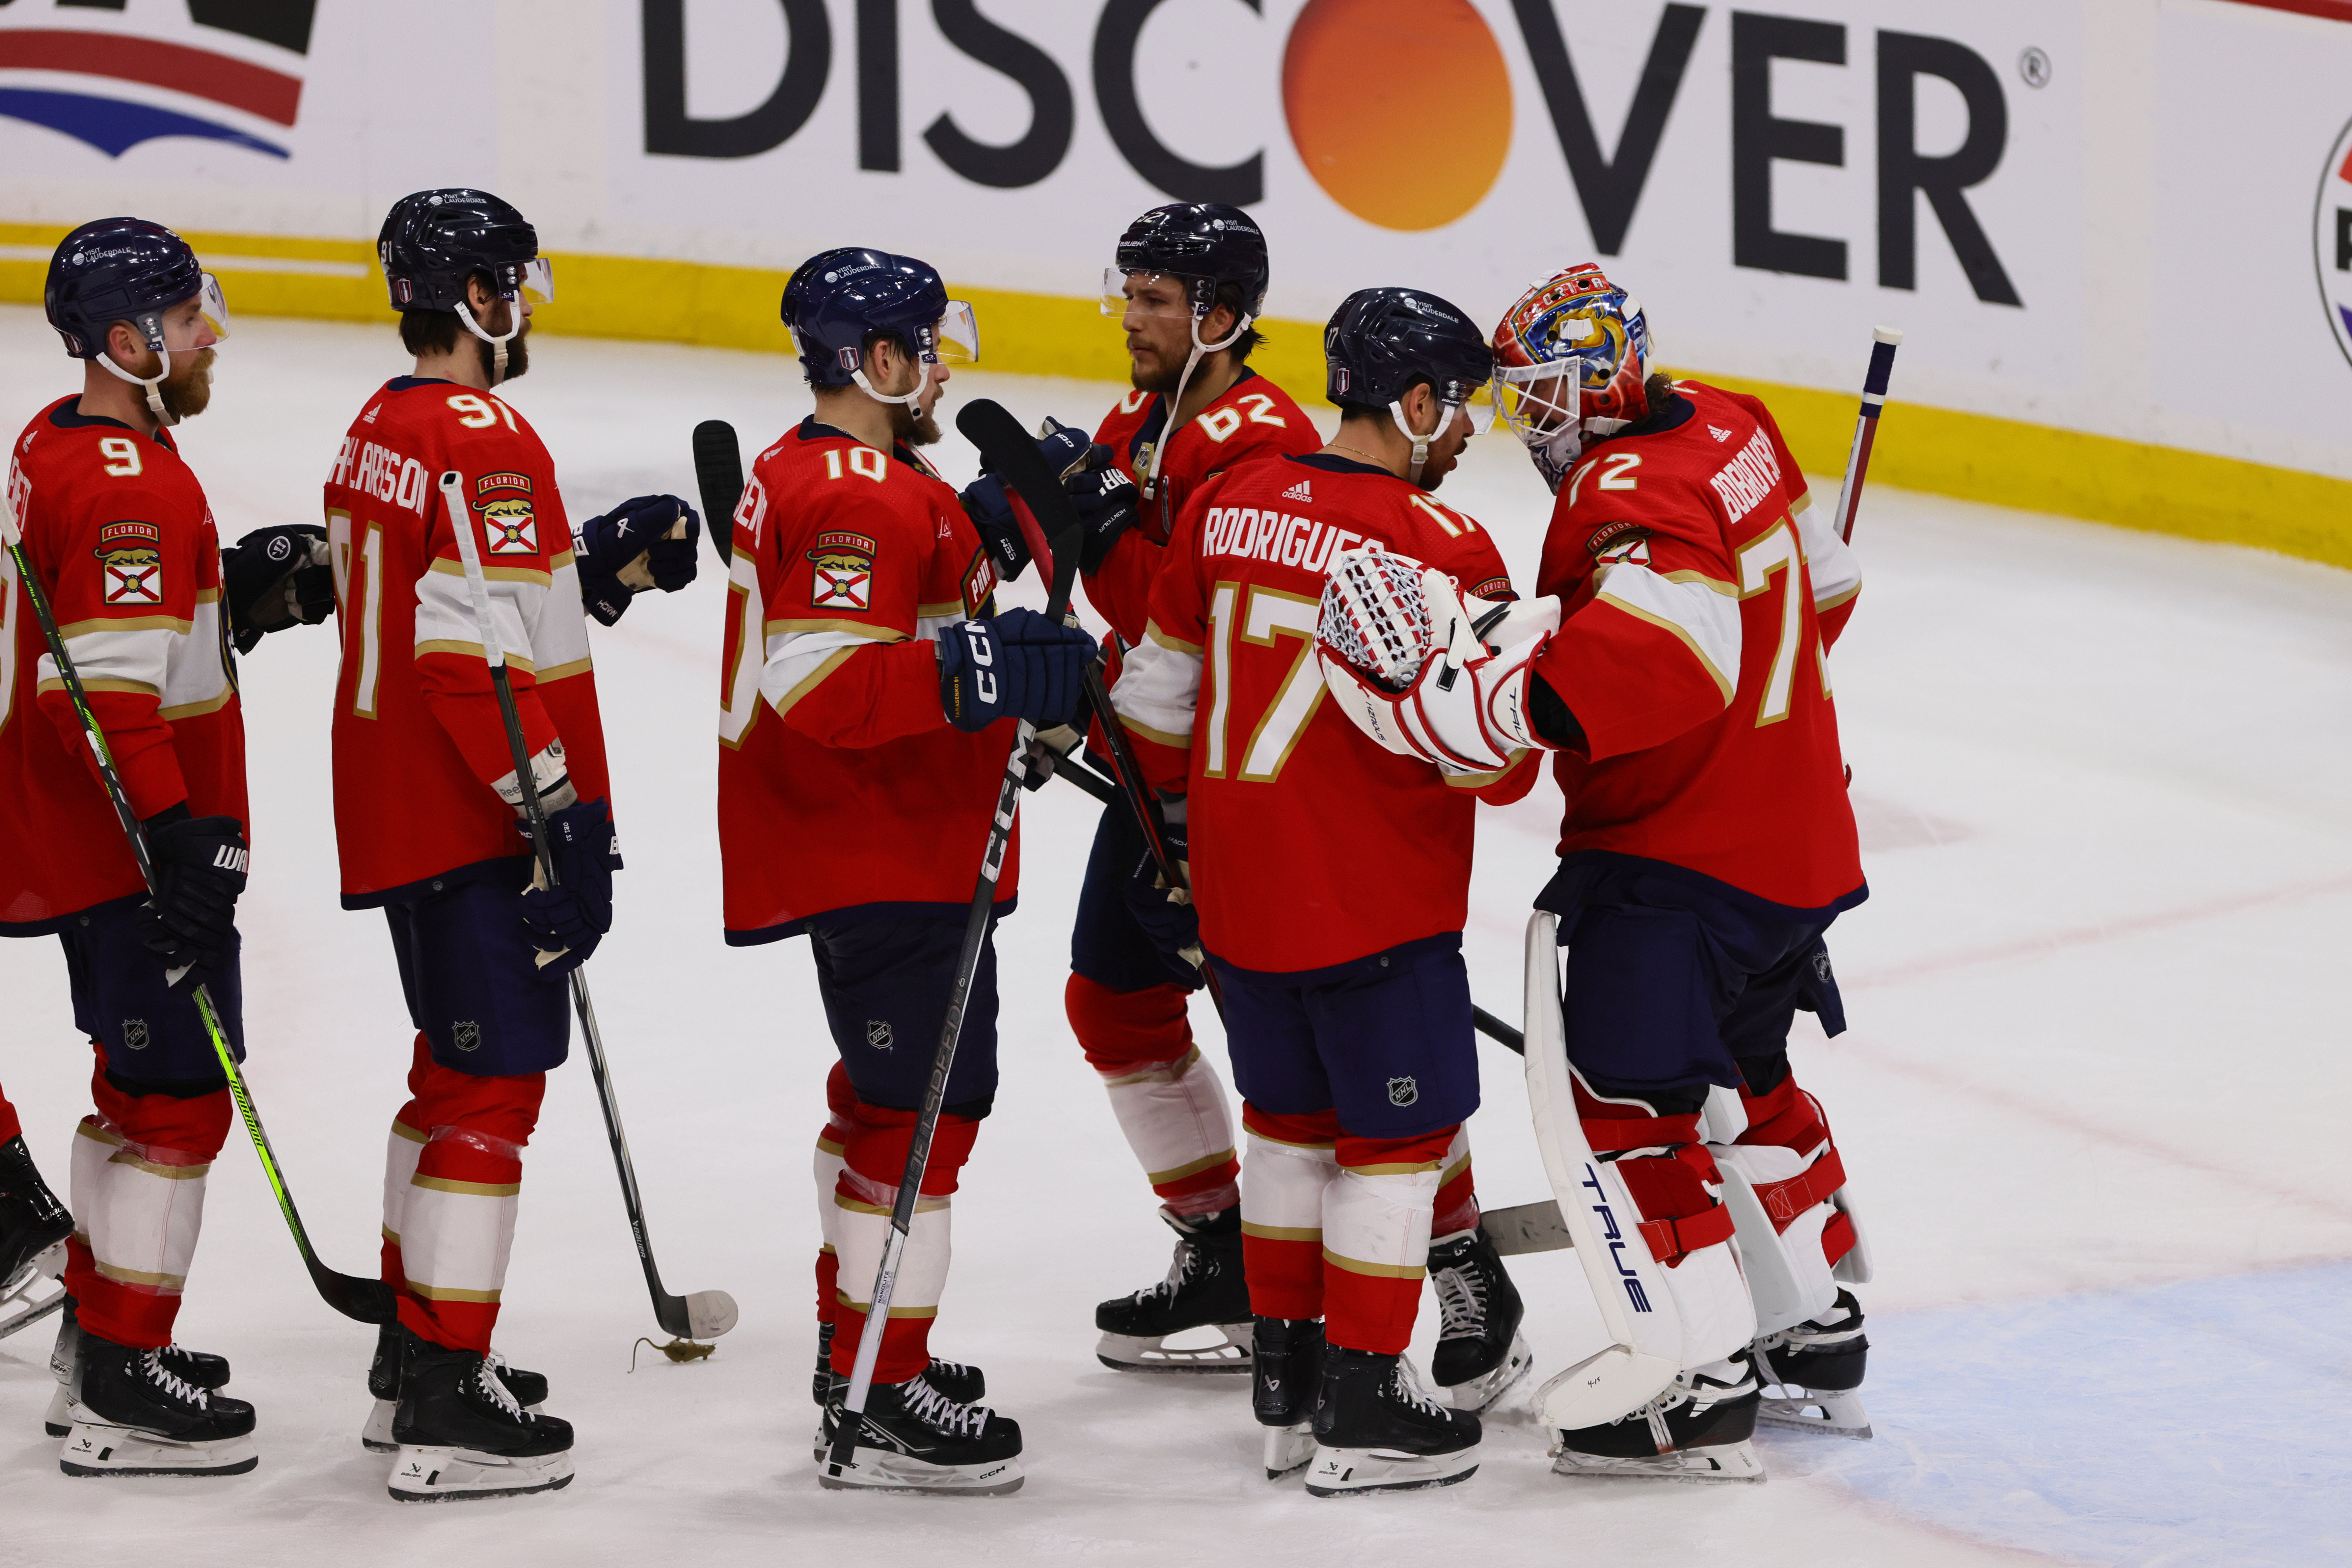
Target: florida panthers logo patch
<point x="842" y="574"/>
<point x="1403" y="1091"/>
<point x="132" y="558"/>
<point x="510" y="521"/>
<point x="1615" y="543"/>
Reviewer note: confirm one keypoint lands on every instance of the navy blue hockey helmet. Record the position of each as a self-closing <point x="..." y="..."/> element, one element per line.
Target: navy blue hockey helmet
<point x="1380" y="341"/>
<point x="839" y="300"/>
<point x="124" y="270"/>
<point x="433" y="241"/>
<point x="1204" y="242"/>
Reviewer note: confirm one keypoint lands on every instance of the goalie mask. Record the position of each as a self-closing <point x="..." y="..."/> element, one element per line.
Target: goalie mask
<point x="1572" y="359"/>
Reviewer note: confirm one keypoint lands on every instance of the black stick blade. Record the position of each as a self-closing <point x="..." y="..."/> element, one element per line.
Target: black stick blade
<point x="718" y="479"/>
<point x="1011" y="452"/>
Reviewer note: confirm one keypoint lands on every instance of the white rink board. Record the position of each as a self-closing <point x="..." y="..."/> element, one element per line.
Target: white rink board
<point x="2160" y="205"/>
<point x="2090" y="1098"/>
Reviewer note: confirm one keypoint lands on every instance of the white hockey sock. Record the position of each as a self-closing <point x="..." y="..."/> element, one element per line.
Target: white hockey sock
<point x="402" y="1147"/>
<point x="138" y="1207"/>
<point x="1176" y="1120"/>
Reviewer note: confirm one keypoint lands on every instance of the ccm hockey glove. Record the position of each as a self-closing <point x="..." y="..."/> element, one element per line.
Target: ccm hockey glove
<point x="276" y="577"/>
<point x="1017" y="665"/>
<point x="1424" y="669"/>
<point x="189" y="922"/>
<point x="566" y="921"/>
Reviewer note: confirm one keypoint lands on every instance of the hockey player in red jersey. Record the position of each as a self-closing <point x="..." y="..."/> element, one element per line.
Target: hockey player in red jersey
<point x="868" y="679"/>
<point x="1677" y="665"/>
<point x="428" y="818"/>
<point x="117" y="531"/>
<point x="1188" y="282"/>
<point x="1347" y="1001"/>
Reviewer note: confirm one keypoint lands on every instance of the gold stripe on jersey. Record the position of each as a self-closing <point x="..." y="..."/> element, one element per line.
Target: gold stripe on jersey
<point x="862" y="628"/>
<point x="128" y="623"/>
<point x="815" y="677"/>
<point x="1689" y="641"/>
<point x="135" y="687"/>
<point x="1377" y="1270"/>
<point x="1177" y="743"/>
<point x="472" y="650"/>
<point x="213" y="704"/>
<point x="559" y="671"/>
<point x="499" y="573"/>
<point x="1480" y="781"/>
<point x="1175" y="645"/>
<point x="1195" y="1168"/>
<point x="1728" y="590"/>
<point x="946" y="610"/>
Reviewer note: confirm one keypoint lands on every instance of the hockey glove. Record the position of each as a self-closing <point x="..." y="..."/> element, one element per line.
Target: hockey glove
<point x="1166" y="913"/>
<point x="566" y="921"/>
<point x="276" y="577"/>
<point x="1048" y="750"/>
<point x="1017" y="665"/>
<point x="1105" y="499"/>
<point x="1426" y="670"/>
<point x="189" y="921"/>
<point x="646" y="541"/>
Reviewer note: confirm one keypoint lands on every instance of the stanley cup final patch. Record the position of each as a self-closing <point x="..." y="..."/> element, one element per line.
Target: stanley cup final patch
<point x="842" y="574"/>
<point x="131" y="556"/>
<point x="510" y="521"/>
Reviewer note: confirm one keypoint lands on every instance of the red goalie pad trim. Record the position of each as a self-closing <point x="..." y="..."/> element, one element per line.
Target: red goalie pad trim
<point x="1784" y="1201"/>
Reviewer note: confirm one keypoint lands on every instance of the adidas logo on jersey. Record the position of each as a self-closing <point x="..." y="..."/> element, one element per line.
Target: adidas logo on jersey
<point x="1719" y="432"/>
<point x="1298" y="493"/>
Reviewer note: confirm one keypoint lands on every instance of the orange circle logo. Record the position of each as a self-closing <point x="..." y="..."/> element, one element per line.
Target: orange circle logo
<point x="1400" y="109"/>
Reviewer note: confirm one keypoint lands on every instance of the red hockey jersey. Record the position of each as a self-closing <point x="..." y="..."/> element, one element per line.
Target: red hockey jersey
<point x="118" y="530"/>
<point x="1310" y="844"/>
<point x="847" y="561"/>
<point x="1252" y="418"/>
<point x="1701" y="597"/>
<point x="418" y="740"/>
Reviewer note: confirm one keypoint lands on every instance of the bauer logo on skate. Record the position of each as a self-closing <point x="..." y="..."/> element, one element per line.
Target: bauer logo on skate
<point x="842" y="575"/>
<point x="508" y="519"/>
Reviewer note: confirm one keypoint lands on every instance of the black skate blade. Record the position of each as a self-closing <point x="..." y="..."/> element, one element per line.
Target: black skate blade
<point x="557" y="1485"/>
<point x="240" y="1467"/>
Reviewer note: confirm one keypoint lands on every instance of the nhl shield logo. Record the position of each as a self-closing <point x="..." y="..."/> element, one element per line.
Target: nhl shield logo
<point x="465" y="1035"/>
<point x="877" y="1034"/>
<point x="1403" y="1091"/>
<point x="1821" y="966"/>
<point x="134" y="1034"/>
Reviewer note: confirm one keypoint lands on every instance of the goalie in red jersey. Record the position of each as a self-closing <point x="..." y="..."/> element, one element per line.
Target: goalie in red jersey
<point x="1347" y="1002"/>
<point x="1678" y="668"/>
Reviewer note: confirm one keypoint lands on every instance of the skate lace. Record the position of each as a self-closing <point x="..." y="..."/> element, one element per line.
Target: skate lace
<point x="943" y="1414"/>
<point x="1181" y="1268"/>
<point x="1409" y="1390"/>
<point x="1461" y="1302"/>
<point x="171" y="1383"/>
<point x="487" y="1376"/>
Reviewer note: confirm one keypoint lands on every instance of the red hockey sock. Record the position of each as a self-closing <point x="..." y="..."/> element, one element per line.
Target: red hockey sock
<point x="1457" y="1191"/>
<point x="874" y="1160"/>
<point x="461" y="1204"/>
<point x="138" y="1198"/>
<point x="1292" y="1166"/>
<point x="1376" y="1227"/>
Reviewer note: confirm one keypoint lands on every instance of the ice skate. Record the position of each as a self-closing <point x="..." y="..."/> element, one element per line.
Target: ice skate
<point x="199" y="1369"/>
<point x="1480" y="1351"/>
<point x="1286" y="1376"/>
<point x="1204" y="1289"/>
<point x="461" y="1433"/>
<point x="1816" y="1368"/>
<point x="529" y="1388"/>
<point x="1699" y="1430"/>
<point x="911" y="1437"/>
<point x="33" y="1230"/>
<point x="130" y="1415"/>
<point x="1376" y="1431"/>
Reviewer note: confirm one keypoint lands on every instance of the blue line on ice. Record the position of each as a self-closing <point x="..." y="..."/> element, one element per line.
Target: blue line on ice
<point x="2189" y="1424"/>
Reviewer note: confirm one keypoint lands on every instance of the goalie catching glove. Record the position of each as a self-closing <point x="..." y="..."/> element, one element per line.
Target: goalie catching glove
<point x="1425" y="670"/>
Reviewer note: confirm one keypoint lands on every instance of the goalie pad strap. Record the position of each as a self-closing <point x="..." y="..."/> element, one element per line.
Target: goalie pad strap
<point x="1838" y="1238"/>
<point x="1784" y="1201"/>
<point x="1672" y="1239"/>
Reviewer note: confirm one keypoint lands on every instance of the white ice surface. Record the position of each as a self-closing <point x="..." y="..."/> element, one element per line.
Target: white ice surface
<point x="2097" y="1060"/>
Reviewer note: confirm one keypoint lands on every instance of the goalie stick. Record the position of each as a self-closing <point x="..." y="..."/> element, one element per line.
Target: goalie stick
<point x="705" y="1314"/>
<point x="367" y="1300"/>
<point x="1885" y="341"/>
<point x="983" y="423"/>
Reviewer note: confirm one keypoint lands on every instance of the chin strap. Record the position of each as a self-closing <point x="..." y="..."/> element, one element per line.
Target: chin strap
<point x="907" y="402"/>
<point x="1192" y="361"/>
<point x="1445" y="412"/>
<point x="498" y="344"/>
<point x="154" y="384"/>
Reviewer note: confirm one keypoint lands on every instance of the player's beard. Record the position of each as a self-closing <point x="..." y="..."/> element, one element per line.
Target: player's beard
<point x="1161" y="382"/>
<point x="913" y="429"/>
<point x="517" y="357"/>
<point x="188" y="390"/>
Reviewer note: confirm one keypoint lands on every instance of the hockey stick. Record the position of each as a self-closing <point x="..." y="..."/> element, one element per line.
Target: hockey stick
<point x="368" y="1301"/>
<point x="981" y="422"/>
<point x="1884" y="341"/>
<point x="718" y="479"/>
<point x="705" y="1314"/>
